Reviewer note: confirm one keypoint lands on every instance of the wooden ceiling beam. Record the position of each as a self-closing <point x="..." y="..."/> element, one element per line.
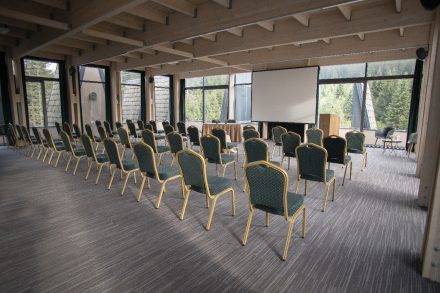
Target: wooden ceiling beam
<point x="329" y="25"/>
<point x="224" y="3"/>
<point x="148" y="13"/>
<point x="267" y="25"/>
<point x="237" y="31"/>
<point x="302" y="19"/>
<point x="78" y="44"/>
<point x="60" y="4"/>
<point x="30" y="18"/>
<point x="127" y="21"/>
<point x="398" y="4"/>
<point x="210" y="19"/>
<point x="210" y="37"/>
<point x="181" y="6"/>
<point x="112" y="37"/>
<point x="168" y="48"/>
<point x="346" y="11"/>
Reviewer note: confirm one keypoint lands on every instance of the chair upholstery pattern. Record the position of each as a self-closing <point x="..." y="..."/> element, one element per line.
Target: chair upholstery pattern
<point x="290" y="141"/>
<point x="193" y="170"/>
<point x="118" y="125"/>
<point x="148" y="138"/>
<point x="146" y="158"/>
<point x="355" y="142"/>
<point x="90" y="132"/>
<point x="336" y="149"/>
<point x="168" y="128"/>
<point x="277" y="131"/>
<point x="153" y="123"/>
<point x="312" y="160"/>
<point x="193" y="133"/>
<point x="246" y="127"/>
<point x="108" y="129"/>
<point x="132" y="129"/>
<point x="123" y="136"/>
<point x="140" y="124"/>
<point x="181" y="128"/>
<point x="112" y="152"/>
<point x="250" y="133"/>
<point x="211" y="149"/>
<point x="175" y="142"/>
<point x="102" y="133"/>
<point x="77" y="130"/>
<point x="255" y="150"/>
<point x="315" y="136"/>
<point x="221" y="135"/>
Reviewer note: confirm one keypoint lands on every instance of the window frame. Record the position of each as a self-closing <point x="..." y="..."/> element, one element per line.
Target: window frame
<point x="142" y="85"/>
<point x="235" y="96"/>
<point x="171" y="93"/>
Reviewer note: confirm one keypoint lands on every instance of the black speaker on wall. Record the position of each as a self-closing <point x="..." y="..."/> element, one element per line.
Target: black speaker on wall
<point x="430" y="4"/>
<point x="421" y="53"/>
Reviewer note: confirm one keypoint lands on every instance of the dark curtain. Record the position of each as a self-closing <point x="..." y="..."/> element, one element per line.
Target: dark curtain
<point x="4" y="91"/>
<point x="182" y="100"/>
<point x="143" y="105"/>
<point x="415" y="98"/>
<point x="108" y="96"/>
<point x="171" y="109"/>
<point x="63" y="92"/>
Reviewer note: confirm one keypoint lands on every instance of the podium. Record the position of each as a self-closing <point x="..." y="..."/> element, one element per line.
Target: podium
<point x="329" y="123"/>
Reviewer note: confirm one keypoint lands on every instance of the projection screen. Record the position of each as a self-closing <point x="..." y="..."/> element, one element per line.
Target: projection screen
<point x="287" y="95"/>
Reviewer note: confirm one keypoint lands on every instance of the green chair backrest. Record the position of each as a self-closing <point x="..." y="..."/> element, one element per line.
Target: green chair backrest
<point x="20" y="132"/>
<point x="175" y="141"/>
<point x="267" y="186"/>
<point x="221" y="135"/>
<point x="181" y="128"/>
<point x="193" y="133"/>
<point x="192" y="166"/>
<point x="168" y="128"/>
<point x="89" y="132"/>
<point x="108" y="129"/>
<point x="355" y="141"/>
<point x="37" y="135"/>
<point x="112" y="152"/>
<point x="277" y="131"/>
<point x="118" y="124"/>
<point x="312" y="160"/>
<point x="124" y="138"/>
<point x="255" y="149"/>
<point x="146" y="159"/>
<point x="101" y="131"/>
<point x="148" y="138"/>
<point x="48" y="138"/>
<point x="76" y="129"/>
<point x="26" y="135"/>
<point x="148" y="126"/>
<point x="315" y="136"/>
<point x="88" y="147"/>
<point x="67" y="130"/>
<point x="131" y="128"/>
<point x="140" y="124"/>
<point x="246" y="127"/>
<point x="211" y="148"/>
<point x="58" y="127"/>
<point x="153" y="123"/>
<point x="290" y="141"/>
<point x="66" y="141"/>
<point x="336" y="147"/>
<point x="250" y="133"/>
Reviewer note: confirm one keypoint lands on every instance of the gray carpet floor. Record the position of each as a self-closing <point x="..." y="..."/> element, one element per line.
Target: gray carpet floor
<point x="61" y="233"/>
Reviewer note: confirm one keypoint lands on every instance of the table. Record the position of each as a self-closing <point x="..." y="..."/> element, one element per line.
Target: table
<point x="392" y="143"/>
<point x="232" y="129"/>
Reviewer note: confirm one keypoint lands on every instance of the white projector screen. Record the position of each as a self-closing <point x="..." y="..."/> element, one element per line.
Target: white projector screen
<point x="287" y="95"/>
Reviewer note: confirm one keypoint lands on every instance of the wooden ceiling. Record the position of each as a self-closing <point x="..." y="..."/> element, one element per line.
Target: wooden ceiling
<point x="213" y="36"/>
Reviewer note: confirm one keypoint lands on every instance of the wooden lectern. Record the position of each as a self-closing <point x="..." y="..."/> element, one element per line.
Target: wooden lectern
<point x="329" y="123"/>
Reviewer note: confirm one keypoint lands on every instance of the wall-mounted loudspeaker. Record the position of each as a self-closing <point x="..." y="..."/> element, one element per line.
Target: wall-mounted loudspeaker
<point x="421" y="53"/>
<point x="151" y="79"/>
<point x="430" y="4"/>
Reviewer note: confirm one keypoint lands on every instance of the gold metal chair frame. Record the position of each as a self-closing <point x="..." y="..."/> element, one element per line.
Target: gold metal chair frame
<point x="280" y="147"/>
<point x="162" y="183"/>
<point x="364" y="155"/>
<point x="315" y="129"/>
<point x="326" y="183"/>
<point x="160" y="155"/>
<point x="345" y="166"/>
<point x="290" y="219"/>
<point x="220" y="156"/>
<point x="71" y="154"/>
<point x="211" y="199"/>
<point x="52" y="148"/>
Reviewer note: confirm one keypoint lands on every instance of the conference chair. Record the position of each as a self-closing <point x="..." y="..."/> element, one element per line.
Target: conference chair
<point x="126" y="166"/>
<point x="140" y="124"/>
<point x="77" y="130"/>
<point x="30" y="143"/>
<point x="58" y="127"/>
<point x="132" y="129"/>
<point x="181" y="128"/>
<point x="277" y="131"/>
<point x="384" y="133"/>
<point x="315" y="136"/>
<point x="102" y="133"/>
<point x="98" y="159"/>
<point x="10" y="136"/>
<point x="250" y="133"/>
<point x="211" y="148"/>
<point x="125" y="142"/>
<point x="41" y="145"/>
<point x="195" y="178"/>
<point x="356" y="145"/>
<point x="153" y="123"/>
<point x="96" y="140"/>
<point x="194" y="136"/>
<point x="290" y="140"/>
<point x="336" y="148"/>
<point x="73" y="153"/>
<point x="109" y="129"/>
<point x="118" y="125"/>
<point x="148" y="126"/>
<point x="412" y="140"/>
<point x="256" y="149"/>
<point x="225" y="146"/>
<point x="149" y="138"/>
<point x="268" y="192"/>
<point x="149" y="170"/>
<point x="175" y="141"/>
<point x="20" y="135"/>
<point x="165" y="122"/>
<point x="168" y="128"/>
<point x="68" y="130"/>
<point x="53" y="148"/>
<point x="311" y="162"/>
<point x="98" y="123"/>
<point x="246" y="127"/>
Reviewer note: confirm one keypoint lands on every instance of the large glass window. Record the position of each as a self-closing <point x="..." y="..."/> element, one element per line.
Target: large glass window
<point x="207" y="98"/>
<point x="131" y="95"/>
<point x="42" y="85"/>
<point x="243" y="96"/>
<point x="162" y="93"/>
<point x="93" y="93"/>
<point x="381" y="95"/>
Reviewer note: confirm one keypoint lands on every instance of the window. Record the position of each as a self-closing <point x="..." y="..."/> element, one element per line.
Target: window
<point x="243" y="97"/>
<point x="162" y="93"/>
<point x="207" y="98"/>
<point x="131" y="95"/>
<point x="380" y="92"/>
<point x="43" y="96"/>
<point x="94" y="90"/>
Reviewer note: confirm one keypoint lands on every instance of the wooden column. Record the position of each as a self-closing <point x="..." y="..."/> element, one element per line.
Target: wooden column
<point x="115" y="90"/>
<point x="176" y="95"/>
<point x="16" y="89"/>
<point x="73" y="93"/>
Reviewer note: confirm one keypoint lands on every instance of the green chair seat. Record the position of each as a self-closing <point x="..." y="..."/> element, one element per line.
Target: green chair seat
<point x="294" y="202"/>
<point x="167" y="171"/>
<point x="355" y="151"/>
<point x="102" y="158"/>
<point x="226" y="158"/>
<point x="129" y="165"/>
<point x="159" y="136"/>
<point x="231" y="145"/>
<point x="329" y="174"/>
<point x="347" y="159"/>
<point x="60" y="147"/>
<point x="162" y="149"/>
<point x="79" y="152"/>
<point x="218" y="184"/>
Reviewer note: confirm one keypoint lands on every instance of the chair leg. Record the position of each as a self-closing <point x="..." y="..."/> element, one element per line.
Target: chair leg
<point x="298" y="181"/>
<point x="210" y="213"/>
<point x="125" y="183"/>
<point x="267" y="219"/>
<point x="76" y="165"/>
<point x="233" y="202"/>
<point x="68" y="163"/>
<point x="141" y="188"/>
<point x="99" y="173"/>
<point x="334" y="187"/>
<point x="288" y="163"/>
<point x="248" y="226"/>
<point x="89" y="167"/>
<point x="289" y="237"/>
<point x="235" y="170"/>
<point x="185" y="203"/>
<point x="305" y="187"/>
<point x="51" y="156"/>
<point x="162" y="191"/>
<point x="224" y="170"/>
<point x="112" y="172"/>
<point x="345" y="172"/>
<point x="58" y="159"/>
<point x="45" y="154"/>
<point x="326" y="188"/>
<point x="304" y="223"/>
<point x="351" y="168"/>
